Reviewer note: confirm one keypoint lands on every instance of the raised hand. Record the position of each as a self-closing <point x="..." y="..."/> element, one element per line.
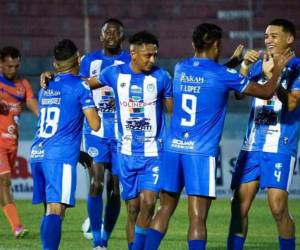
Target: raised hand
<point x="45" y="78"/>
<point x="250" y="57"/>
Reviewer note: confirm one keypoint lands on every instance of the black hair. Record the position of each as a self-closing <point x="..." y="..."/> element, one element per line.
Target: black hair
<point x="112" y="20"/>
<point x="143" y="37"/>
<point x="9" y="51"/>
<point x="64" y="50"/>
<point x="285" y="24"/>
<point x="205" y="35"/>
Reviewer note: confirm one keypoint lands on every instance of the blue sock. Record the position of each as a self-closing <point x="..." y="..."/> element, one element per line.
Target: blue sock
<point x="51" y="231"/>
<point x="104" y="237"/>
<point x="94" y="207"/>
<point x="153" y="239"/>
<point x="139" y="238"/>
<point x="235" y="242"/>
<point x="287" y="244"/>
<point x="112" y="211"/>
<point x="130" y="245"/>
<point x="197" y="244"/>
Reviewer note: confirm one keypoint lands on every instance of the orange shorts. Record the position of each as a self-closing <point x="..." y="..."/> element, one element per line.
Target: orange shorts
<point x="7" y="160"/>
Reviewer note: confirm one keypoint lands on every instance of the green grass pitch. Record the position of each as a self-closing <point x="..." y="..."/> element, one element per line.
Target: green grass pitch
<point x="262" y="232"/>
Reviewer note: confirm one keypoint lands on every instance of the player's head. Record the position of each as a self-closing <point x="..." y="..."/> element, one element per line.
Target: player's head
<point x="10" y="62"/>
<point x="143" y="50"/>
<point x="279" y="35"/>
<point x="207" y="38"/>
<point x="66" y="57"/>
<point x="112" y="34"/>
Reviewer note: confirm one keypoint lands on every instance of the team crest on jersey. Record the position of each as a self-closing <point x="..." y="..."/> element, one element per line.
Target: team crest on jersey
<point x="138" y="124"/>
<point x="150" y="87"/>
<point x="93" y="152"/>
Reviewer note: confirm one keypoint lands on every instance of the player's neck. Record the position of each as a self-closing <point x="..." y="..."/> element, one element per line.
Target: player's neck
<point x="111" y="51"/>
<point x="204" y="54"/>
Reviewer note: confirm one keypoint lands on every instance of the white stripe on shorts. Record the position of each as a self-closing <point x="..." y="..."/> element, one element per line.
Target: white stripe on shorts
<point x="66" y="184"/>
<point x="292" y="165"/>
<point x="212" y="177"/>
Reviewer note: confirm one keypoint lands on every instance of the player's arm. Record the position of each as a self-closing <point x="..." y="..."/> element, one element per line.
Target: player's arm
<point x="168" y="105"/>
<point x="45" y="77"/>
<point x="236" y="59"/>
<point x="32" y="105"/>
<point x="290" y="100"/>
<point x="250" y="57"/>
<point x="92" y="118"/>
<point x="94" y="82"/>
<point x="3" y="108"/>
<point x="267" y="90"/>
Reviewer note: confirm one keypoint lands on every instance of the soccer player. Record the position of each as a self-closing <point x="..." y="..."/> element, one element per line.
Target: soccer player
<point x="14" y="92"/>
<point x="141" y="90"/>
<point x="56" y="147"/>
<point x="268" y="154"/>
<point x="102" y="145"/>
<point x="200" y="91"/>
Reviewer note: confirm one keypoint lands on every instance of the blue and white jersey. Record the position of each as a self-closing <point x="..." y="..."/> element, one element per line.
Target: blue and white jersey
<point x="60" y="120"/>
<point x="271" y="128"/>
<point x="139" y="106"/>
<point x="91" y="65"/>
<point x="200" y="92"/>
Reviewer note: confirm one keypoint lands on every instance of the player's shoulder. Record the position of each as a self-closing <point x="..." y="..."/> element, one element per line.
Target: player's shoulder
<point x="159" y="72"/>
<point x="294" y="63"/>
<point x="125" y="55"/>
<point x="91" y="56"/>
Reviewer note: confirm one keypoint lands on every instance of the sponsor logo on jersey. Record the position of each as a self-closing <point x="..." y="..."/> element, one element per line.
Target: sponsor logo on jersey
<point x="136" y="89"/>
<point x="182" y="144"/>
<point x="135" y="104"/>
<point x="191" y="78"/>
<point x="138" y="123"/>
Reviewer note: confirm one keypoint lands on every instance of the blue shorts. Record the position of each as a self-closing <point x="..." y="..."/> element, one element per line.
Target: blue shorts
<point x="138" y="173"/>
<point x="196" y="172"/>
<point x="54" y="182"/>
<point x="273" y="170"/>
<point x="102" y="150"/>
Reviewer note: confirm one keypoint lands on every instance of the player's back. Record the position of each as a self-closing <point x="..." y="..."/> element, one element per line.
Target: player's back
<point x="61" y="118"/>
<point x="200" y="93"/>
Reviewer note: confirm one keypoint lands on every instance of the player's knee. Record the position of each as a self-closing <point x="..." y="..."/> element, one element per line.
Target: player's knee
<point x="132" y="211"/>
<point x="96" y="187"/>
<point x="5" y="181"/>
<point x="278" y="212"/>
<point x="56" y="208"/>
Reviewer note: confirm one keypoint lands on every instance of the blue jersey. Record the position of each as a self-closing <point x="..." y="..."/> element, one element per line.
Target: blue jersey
<point x="271" y="128"/>
<point x="61" y="116"/>
<point x="200" y="91"/>
<point x="91" y="65"/>
<point x="139" y="105"/>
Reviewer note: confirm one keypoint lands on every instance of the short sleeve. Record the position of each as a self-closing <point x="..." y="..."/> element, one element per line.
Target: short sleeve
<point x="84" y="67"/>
<point x="168" y="90"/>
<point x="85" y="95"/>
<point x="256" y="71"/>
<point x="234" y="80"/>
<point x="28" y="90"/>
<point x="106" y="76"/>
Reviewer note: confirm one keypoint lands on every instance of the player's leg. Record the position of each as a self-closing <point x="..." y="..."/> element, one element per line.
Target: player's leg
<point x="245" y="185"/>
<point x="113" y="204"/>
<point x="98" y="149"/>
<point x="7" y="160"/>
<point x="129" y="182"/>
<point x="277" y="175"/>
<point x="60" y="186"/>
<point x="160" y="222"/>
<point x="171" y="183"/>
<point x="199" y="177"/>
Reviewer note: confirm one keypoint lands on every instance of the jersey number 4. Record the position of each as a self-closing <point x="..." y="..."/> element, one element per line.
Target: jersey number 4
<point x="48" y="121"/>
<point x="189" y="109"/>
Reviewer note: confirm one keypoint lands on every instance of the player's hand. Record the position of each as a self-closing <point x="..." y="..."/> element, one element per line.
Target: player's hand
<point x="3" y="108"/>
<point x="282" y="59"/>
<point x="238" y="52"/>
<point x="250" y="57"/>
<point x="45" y="78"/>
<point x="268" y="65"/>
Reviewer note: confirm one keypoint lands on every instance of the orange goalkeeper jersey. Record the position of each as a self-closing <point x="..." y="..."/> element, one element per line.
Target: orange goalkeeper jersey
<point x="13" y="94"/>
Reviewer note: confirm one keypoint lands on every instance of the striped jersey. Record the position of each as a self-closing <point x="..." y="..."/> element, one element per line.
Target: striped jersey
<point x="200" y="92"/>
<point x="271" y="127"/>
<point x="139" y="107"/>
<point x="91" y="65"/>
<point x="60" y="120"/>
